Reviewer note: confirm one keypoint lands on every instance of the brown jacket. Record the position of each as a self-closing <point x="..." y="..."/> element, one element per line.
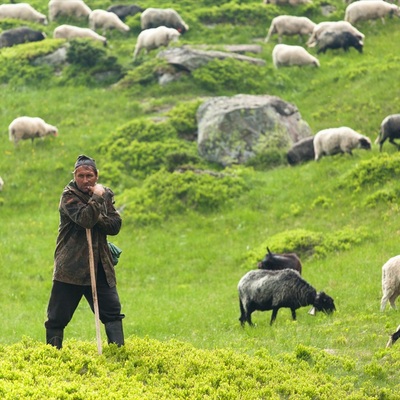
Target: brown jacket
<point x="79" y="211"/>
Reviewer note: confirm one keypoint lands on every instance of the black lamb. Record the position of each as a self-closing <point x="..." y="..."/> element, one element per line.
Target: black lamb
<point x="280" y="261"/>
<point x="263" y="290"/>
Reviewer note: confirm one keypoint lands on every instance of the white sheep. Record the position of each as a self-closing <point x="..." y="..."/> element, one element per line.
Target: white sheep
<point x="390" y="282"/>
<point x="68" y="8"/>
<point x="290" y="25"/>
<point x="284" y="55"/>
<point x="369" y="10"/>
<point x="23" y="128"/>
<point x="339" y="140"/>
<point x="101" y="19"/>
<point x="153" y="38"/>
<point x="22" y="11"/>
<point x="73" y="32"/>
<point x="333" y="26"/>
<point x="154" y="17"/>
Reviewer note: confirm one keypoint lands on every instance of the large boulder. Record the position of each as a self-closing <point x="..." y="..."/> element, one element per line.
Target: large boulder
<point x="231" y="130"/>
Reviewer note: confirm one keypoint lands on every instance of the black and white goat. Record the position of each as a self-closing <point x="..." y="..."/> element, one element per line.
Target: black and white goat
<point x="265" y="290"/>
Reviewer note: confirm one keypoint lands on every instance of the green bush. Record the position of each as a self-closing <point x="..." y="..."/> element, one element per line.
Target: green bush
<point x="164" y="194"/>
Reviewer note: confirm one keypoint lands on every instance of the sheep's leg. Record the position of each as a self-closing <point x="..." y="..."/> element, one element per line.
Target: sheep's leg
<point x="293" y="314"/>
<point x="391" y="140"/>
<point x="245" y="315"/>
<point x="392" y="300"/>
<point x="273" y="316"/>
<point x="384" y="300"/>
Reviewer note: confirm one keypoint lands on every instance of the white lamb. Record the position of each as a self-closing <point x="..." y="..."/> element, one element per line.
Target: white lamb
<point x="339" y="140"/>
<point x="369" y="10"/>
<point x="68" y="8"/>
<point x="23" y="128"/>
<point x="284" y="55"/>
<point x="101" y="19"/>
<point x="290" y="25"/>
<point x="73" y="32"/>
<point x="22" y="11"/>
<point x="153" y="38"/>
<point x="390" y="282"/>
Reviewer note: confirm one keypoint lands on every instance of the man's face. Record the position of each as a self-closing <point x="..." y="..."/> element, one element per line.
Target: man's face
<point x="85" y="178"/>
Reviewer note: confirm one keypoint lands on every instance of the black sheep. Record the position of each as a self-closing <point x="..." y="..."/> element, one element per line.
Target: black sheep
<point x="274" y="261"/>
<point x="123" y="11"/>
<point x="390" y="129"/>
<point x="265" y="290"/>
<point x="20" y="35"/>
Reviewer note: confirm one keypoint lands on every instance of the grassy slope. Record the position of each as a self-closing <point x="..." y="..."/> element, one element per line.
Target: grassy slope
<point x="178" y="280"/>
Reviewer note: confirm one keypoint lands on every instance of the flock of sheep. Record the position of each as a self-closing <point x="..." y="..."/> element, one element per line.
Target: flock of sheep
<point x="277" y="283"/>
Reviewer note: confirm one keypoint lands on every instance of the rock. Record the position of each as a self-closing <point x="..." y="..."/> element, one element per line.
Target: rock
<point x="231" y="130"/>
<point x="58" y="57"/>
<point x="186" y="58"/>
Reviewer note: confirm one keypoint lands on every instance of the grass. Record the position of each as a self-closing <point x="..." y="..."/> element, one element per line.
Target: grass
<point x="177" y="279"/>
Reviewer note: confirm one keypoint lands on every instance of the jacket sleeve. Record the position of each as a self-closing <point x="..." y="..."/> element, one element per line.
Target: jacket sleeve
<point x="109" y="221"/>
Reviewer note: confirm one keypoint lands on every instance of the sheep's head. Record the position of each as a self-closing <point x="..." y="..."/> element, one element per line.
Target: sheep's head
<point x="323" y="303"/>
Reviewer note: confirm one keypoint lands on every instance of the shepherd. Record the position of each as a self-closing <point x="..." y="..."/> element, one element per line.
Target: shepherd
<point x="85" y="205"/>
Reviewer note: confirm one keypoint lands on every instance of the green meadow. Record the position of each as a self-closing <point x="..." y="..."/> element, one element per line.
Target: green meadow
<point x="187" y="240"/>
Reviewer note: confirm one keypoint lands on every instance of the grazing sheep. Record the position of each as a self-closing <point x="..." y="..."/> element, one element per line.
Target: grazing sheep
<point x="68" y="8"/>
<point x="390" y="129"/>
<point x="153" y="38"/>
<point x="290" y="25"/>
<point x="20" y="35"/>
<point x="369" y="10"/>
<point x="123" y="11"/>
<point x="301" y="151"/>
<point x="393" y="337"/>
<point x="284" y="55"/>
<point x="101" y="19"/>
<point x="1" y="184"/>
<point x="23" y="128"/>
<point x="22" y="11"/>
<point x="336" y="35"/>
<point x="339" y="140"/>
<point x="390" y="282"/>
<point x="265" y="290"/>
<point x="274" y="261"/>
<point x="155" y="17"/>
<point x="73" y="32"/>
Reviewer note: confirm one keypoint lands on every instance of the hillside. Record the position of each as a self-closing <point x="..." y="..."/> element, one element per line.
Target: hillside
<point x="187" y="242"/>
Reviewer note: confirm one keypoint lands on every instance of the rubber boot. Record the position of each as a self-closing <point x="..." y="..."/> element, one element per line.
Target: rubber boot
<point x="115" y="333"/>
<point x="55" y="337"/>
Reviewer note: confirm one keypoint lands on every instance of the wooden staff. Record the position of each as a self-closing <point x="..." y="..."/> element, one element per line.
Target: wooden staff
<point x="94" y="290"/>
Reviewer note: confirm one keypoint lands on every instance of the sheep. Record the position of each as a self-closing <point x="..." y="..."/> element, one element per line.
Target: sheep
<point x="12" y="37"/>
<point x="369" y="10"/>
<point x="106" y="20"/>
<point x="153" y="38"/>
<point x="339" y="140"/>
<point x="393" y="337"/>
<point x="22" y="11"/>
<point x="68" y="8"/>
<point x="123" y="11"/>
<point x="301" y="151"/>
<point x="390" y="129"/>
<point x="73" y="32"/>
<point x="23" y="128"/>
<point x="284" y="55"/>
<point x="1" y="184"/>
<point x="390" y="282"/>
<point x="155" y="17"/>
<point x="290" y="25"/>
<point x="274" y="261"/>
<point x="333" y="26"/>
<point x="263" y="290"/>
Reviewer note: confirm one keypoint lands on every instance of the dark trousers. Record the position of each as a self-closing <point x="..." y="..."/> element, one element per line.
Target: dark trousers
<point x="65" y="297"/>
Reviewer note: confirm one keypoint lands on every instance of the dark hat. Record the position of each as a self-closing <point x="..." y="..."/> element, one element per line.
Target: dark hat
<point x="85" y="160"/>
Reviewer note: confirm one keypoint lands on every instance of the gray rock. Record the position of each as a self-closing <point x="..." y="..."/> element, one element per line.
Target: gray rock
<point x="58" y="57"/>
<point x="190" y="59"/>
<point x="231" y="130"/>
